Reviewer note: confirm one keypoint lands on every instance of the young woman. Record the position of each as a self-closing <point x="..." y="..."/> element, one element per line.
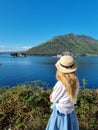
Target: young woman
<point x="64" y="96"/>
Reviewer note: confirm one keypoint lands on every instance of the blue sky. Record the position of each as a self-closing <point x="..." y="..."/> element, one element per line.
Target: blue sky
<point x="27" y="23"/>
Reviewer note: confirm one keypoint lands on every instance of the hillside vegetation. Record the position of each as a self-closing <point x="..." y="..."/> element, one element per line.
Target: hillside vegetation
<point x="27" y="107"/>
<point x="77" y="44"/>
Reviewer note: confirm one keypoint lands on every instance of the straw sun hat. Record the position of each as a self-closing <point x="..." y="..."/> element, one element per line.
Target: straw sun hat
<point x="66" y="64"/>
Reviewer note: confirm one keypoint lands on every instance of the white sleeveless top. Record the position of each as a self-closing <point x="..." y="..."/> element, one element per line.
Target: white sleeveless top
<point x="61" y="99"/>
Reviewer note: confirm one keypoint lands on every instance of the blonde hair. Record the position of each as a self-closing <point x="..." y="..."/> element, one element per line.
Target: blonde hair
<point x="70" y="81"/>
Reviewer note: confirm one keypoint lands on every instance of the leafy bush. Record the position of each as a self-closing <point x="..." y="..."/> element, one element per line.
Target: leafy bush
<point x="24" y="107"/>
<point x="27" y="107"/>
<point x="87" y="109"/>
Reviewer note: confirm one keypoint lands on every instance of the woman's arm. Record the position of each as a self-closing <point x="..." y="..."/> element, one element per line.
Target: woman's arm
<point x="57" y="93"/>
<point x="50" y="97"/>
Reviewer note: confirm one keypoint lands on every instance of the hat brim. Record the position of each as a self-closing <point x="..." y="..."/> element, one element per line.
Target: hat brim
<point x="66" y="70"/>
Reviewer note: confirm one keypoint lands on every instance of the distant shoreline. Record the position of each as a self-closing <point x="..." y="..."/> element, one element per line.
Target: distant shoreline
<point x="58" y="55"/>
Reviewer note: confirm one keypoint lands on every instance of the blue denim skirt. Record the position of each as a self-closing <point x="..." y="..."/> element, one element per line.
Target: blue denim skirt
<point x="60" y="121"/>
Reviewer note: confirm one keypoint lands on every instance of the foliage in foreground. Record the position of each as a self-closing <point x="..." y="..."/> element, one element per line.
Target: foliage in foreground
<point x="27" y="107"/>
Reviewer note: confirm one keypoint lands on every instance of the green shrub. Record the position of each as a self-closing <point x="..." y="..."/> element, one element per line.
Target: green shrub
<point x="24" y="108"/>
<point x="27" y="107"/>
<point x="87" y="109"/>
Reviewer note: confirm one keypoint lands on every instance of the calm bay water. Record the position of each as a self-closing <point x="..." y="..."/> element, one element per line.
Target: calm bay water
<point x="19" y="70"/>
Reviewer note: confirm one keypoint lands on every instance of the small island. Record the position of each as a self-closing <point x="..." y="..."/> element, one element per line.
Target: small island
<point x="17" y="54"/>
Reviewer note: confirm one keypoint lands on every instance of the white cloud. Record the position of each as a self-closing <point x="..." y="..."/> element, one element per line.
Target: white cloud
<point x="8" y="48"/>
<point x="26" y="47"/>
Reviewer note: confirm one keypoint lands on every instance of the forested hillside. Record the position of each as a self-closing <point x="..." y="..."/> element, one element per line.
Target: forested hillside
<point x="77" y="44"/>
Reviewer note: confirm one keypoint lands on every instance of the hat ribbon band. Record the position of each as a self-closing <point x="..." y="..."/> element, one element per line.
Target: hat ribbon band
<point x="67" y="66"/>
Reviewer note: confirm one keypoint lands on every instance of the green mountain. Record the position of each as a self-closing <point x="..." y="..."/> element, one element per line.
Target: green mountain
<point x="76" y="44"/>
